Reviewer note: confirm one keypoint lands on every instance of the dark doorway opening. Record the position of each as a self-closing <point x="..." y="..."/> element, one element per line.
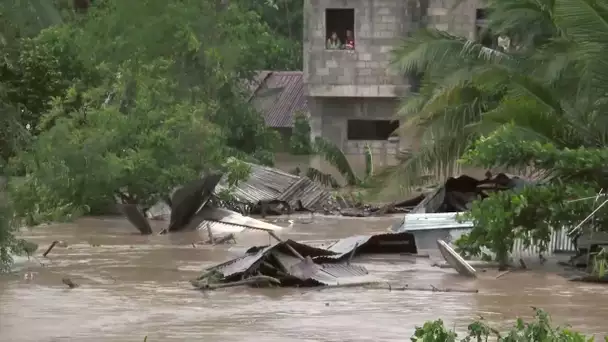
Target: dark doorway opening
<point x="340" y="20"/>
<point x="371" y="129"/>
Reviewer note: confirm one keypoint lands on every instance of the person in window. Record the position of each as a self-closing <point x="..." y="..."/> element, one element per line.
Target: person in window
<point x="333" y="42"/>
<point x="350" y="40"/>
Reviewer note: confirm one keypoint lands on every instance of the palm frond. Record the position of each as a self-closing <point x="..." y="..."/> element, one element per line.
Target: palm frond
<point x="334" y="156"/>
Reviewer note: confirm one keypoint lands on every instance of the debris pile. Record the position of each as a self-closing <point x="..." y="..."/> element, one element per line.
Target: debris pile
<point x="191" y="210"/>
<point x="289" y="263"/>
<point x="270" y="191"/>
<point x="457" y="194"/>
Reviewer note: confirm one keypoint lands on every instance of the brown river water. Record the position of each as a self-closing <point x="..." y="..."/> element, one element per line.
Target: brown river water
<point x="134" y="286"/>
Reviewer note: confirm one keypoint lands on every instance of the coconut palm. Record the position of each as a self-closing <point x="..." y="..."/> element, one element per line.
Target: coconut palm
<point x="550" y="85"/>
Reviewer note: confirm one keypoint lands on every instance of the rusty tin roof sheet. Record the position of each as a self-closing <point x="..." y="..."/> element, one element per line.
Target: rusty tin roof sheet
<point x="278" y="96"/>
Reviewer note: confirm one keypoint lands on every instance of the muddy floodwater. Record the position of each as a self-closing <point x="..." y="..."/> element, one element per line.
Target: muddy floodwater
<point x="133" y="286"/>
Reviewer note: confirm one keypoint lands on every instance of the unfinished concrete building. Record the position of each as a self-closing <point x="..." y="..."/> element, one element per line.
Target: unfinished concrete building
<point x="352" y="91"/>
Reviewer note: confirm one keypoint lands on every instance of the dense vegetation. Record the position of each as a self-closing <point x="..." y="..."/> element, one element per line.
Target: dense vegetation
<point x="540" y="329"/>
<point x="536" y="105"/>
<point x="104" y="100"/>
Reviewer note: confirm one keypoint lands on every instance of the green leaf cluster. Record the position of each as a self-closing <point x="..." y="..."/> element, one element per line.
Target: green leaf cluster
<point x="540" y="329"/>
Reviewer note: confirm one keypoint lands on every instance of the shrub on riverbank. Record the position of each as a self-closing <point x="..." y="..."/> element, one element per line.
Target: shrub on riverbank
<point x="540" y="329"/>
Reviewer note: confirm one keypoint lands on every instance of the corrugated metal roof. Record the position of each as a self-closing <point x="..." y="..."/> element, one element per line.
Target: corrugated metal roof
<point x="279" y="95"/>
<point x="559" y="241"/>
<point x="229" y="217"/>
<point x="254" y="255"/>
<point x="369" y="244"/>
<point x="266" y="183"/>
<point x="341" y="274"/>
<point x="430" y="221"/>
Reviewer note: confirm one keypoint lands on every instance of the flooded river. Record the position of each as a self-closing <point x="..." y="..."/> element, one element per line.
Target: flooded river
<point x="133" y="286"/>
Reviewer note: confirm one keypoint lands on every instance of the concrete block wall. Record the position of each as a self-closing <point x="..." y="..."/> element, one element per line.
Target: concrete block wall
<point x="458" y="20"/>
<point x="330" y="120"/>
<point x="365" y="71"/>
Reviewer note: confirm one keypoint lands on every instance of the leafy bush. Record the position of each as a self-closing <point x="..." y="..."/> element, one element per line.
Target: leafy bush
<point x="540" y="329"/>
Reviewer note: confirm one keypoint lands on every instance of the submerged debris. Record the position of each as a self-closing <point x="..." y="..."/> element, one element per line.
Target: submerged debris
<point x="280" y="262"/>
<point x="69" y="283"/>
<point x="189" y="199"/>
<point x="399" y="243"/>
<point x="296" y="264"/>
<point x="457" y="194"/>
<point x="191" y="210"/>
<point x="137" y="218"/>
<point x="455" y="260"/>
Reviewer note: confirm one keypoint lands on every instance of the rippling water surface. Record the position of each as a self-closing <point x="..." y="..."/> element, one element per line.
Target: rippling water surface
<point x="133" y="286"/>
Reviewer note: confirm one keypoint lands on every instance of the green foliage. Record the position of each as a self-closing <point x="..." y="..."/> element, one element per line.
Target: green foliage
<point x="125" y="100"/>
<point x="504" y="148"/>
<point x="285" y="18"/>
<point x="236" y="170"/>
<point x="540" y="329"/>
<point x="300" y="143"/>
<point x="336" y="157"/>
<point x="91" y="159"/>
<point x="542" y="85"/>
<point x="539" y="105"/>
<point x="433" y="331"/>
<point x="9" y="245"/>
<point x="600" y="263"/>
<point x="530" y="214"/>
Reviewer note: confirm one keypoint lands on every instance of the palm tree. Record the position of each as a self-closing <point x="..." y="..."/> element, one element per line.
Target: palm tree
<point x="550" y="85"/>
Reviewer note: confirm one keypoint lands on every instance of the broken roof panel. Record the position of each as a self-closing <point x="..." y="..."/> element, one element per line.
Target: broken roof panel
<point x="229" y="217"/>
<point x="457" y="193"/>
<point x="431" y="221"/>
<point x="371" y="244"/>
<point x="255" y="255"/>
<point x="266" y="184"/>
<point x="221" y="220"/>
<point x="342" y="274"/>
<point x="307" y="191"/>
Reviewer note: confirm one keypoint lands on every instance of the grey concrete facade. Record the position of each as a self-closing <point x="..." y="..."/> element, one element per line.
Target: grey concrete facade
<point x="364" y="71"/>
<point x="360" y="83"/>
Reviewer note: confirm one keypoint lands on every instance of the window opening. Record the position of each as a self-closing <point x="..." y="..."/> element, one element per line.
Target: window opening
<point x="339" y="25"/>
<point x="484" y="36"/>
<point x="371" y="129"/>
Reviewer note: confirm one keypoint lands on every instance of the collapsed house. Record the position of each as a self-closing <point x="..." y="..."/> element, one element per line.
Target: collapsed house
<point x="289" y="263"/>
<point x="436" y="217"/>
